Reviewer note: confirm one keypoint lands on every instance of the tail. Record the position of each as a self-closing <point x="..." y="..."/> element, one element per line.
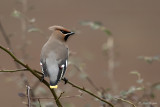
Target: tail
<point x="55" y="86"/>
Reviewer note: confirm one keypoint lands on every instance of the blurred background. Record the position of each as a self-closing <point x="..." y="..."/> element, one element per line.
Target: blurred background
<point x="115" y="51"/>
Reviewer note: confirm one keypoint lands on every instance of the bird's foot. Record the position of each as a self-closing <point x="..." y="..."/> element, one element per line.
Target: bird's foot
<point x="65" y="80"/>
<point x="42" y="78"/>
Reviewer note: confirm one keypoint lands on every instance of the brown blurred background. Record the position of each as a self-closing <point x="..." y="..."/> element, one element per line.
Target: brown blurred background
<point x="135" y="29"/>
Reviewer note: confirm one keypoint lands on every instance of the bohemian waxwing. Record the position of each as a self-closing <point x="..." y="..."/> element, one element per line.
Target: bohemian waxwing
<point x="54" y="55"/>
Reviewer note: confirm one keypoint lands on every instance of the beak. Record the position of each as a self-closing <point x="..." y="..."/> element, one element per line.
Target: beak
<point x="70" y="33"/>
<point x="67" y="35"/>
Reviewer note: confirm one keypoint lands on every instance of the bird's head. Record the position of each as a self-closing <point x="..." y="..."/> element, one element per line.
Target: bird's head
<point x="61" y="31"/>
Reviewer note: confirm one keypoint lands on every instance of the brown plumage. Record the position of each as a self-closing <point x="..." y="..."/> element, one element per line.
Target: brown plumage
<point x="54" y="55"/>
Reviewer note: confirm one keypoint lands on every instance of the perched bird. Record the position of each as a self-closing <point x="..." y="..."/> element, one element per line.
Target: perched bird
<point x="54" y="55"/>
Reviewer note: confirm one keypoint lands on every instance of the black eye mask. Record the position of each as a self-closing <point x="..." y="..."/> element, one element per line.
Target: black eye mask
<point x="67" y="34"/>
<point x="64" y="32"/>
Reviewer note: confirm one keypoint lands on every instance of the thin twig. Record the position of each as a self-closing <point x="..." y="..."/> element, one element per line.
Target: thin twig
<point x="126" y="101"/>
<point x="8" y="42"/>
<point x="23" y="21"/>
<point x="5" y="35"/>
<point x="60" y="96"/>
<point x="34" y="73"/>
<point x="92" y="83"/>
<point x="90" y="93"/>
<point x="39" y="102"/>
<point x="38" y="72"/>
<point x="103" y="96"/>
<point x="18" y="70"/>
<point x="110" y="52"/>
<point x="28" y="96"/>
<point x="42" y="97"/>
<point x="72" y="96"/>
<point x="111" y="63"/>
<point x="87" y="78"/>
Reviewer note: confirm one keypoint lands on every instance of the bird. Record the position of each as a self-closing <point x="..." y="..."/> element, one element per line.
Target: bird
<point x="54" y="55"/>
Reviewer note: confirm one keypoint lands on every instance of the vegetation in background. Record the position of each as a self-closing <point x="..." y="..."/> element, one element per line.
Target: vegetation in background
<point x="35" y="95"/>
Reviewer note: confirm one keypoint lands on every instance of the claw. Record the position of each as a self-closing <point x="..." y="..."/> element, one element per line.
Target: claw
<point x="65" y="80"/>
<point x="42" y="78"/>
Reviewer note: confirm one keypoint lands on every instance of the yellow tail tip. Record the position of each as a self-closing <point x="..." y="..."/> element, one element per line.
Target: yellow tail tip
<point x="56" y="86"/>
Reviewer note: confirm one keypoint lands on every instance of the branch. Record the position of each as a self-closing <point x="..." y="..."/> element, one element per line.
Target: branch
<point x="28" y="96"/>
<point x="34" y="73"/>
<point x="60" y="96"/>
<point x="18" y="70"/>
<point x="39" y="102"/>
<point x="47" y="84"/>
<point x="7" y="40"/>
<point x="87" y="78"/>
<point x="5" y="35"/>
<point x="111" y="63"/>
<point x="80" y="95"/>
<point x="90" y="93"/>
<point x="126" y="101"/>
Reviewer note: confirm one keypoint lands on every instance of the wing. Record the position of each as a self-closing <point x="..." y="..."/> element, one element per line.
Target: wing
<point x="44" y="67"/>
<point x="62" y="59"/>
<point x="62" y="68"/>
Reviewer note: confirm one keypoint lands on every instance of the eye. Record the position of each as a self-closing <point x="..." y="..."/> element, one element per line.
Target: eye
<point x="64" y="32"/>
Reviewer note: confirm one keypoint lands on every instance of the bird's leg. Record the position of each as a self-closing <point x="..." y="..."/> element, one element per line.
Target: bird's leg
<point x="42" y="78"/>
<point x="65" y="80"/>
